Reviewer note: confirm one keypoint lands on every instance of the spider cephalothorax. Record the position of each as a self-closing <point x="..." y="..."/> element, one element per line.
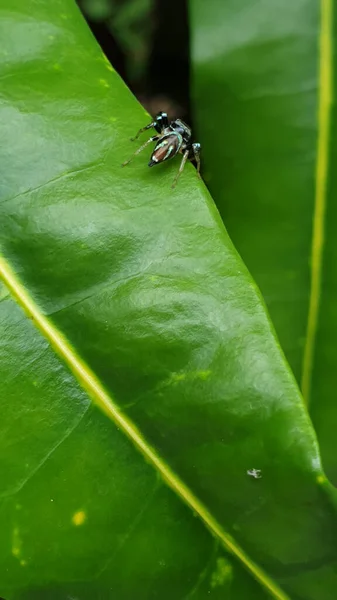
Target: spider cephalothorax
<point x="173" y="137"/>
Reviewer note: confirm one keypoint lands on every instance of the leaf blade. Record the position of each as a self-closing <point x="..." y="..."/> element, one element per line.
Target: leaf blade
<point x="66" y="496"/>
<point x="262" y="164"/>
<point x="270" y="172"/>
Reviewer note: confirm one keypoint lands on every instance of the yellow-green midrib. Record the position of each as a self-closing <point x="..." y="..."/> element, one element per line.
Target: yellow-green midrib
<point x="325" y="78"/>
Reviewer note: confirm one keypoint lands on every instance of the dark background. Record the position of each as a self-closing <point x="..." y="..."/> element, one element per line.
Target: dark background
<point x="147" y="42"/>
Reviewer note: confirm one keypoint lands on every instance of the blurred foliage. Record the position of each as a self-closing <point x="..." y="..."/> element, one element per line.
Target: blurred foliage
<point x="97" y="10"/>
<point x="130" y="24"/>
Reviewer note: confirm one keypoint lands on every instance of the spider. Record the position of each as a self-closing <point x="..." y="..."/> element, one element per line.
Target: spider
<point x="174" y="137"/>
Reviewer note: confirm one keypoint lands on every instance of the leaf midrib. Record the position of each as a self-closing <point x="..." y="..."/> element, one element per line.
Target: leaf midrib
<point x="322" y="165"/>
<point x="106" y="403"/>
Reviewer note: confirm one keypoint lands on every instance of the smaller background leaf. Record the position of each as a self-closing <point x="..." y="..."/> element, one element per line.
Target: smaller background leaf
<point x="264" y="75"/>
<point x="255" y="67"/>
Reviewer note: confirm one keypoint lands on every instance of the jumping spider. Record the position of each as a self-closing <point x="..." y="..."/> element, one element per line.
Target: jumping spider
<point x="174" y="137"/>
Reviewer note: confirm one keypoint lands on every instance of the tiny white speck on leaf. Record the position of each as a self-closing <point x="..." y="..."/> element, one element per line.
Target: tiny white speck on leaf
<point x="256" y="473"/>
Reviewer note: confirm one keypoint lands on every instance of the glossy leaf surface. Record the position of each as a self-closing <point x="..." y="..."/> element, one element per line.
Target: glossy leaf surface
<point x="140" y="377"/>
<point x="255" y="67"/>
<point x="263" y="75"/>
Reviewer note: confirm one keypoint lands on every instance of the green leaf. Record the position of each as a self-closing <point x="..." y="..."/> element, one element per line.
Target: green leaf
<point x="257" y="70"/>
<point x="82" y="513"/>
<point x="140" y="377"/>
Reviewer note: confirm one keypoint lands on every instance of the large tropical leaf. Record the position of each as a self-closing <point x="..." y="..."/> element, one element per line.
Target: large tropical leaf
<point x="140" y="377"/>
<point x="263" y="72"/>
<point x="83" y="515"/>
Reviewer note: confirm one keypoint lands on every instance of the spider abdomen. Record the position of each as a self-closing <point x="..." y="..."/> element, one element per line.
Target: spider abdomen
<point x="167" y="147"/>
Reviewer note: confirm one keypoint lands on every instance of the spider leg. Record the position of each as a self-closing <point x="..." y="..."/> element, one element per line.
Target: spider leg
<point x="181" y="168"/>
<point x="149" y="126"/>
<point x="152" y="139"/>
<point x="161" y="122"/>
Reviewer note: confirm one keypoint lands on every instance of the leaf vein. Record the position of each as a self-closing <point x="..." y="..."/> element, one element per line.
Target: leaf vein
<point x="322" y="166"/>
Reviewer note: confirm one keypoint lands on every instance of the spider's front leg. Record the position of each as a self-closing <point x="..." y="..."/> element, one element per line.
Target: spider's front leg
<point x="142" y="129"/>
<point x="154" y="138"/>
<point x="161" y="121"/>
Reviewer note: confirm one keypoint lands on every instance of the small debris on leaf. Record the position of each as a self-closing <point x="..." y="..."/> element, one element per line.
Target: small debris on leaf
<point x="256" y="473"/>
